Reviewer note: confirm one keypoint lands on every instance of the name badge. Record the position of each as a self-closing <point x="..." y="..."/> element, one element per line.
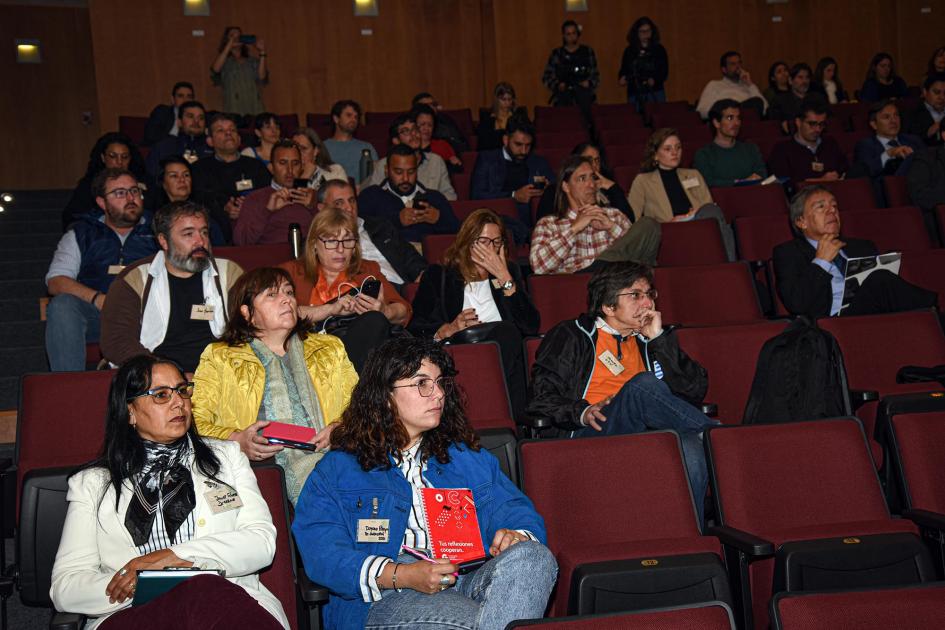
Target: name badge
<point x="692" y="182"/>
<point x="202" y="311"/>
<point x="610" y="361"/>
<point x="373" y="530"/>
<point x="190" y="156"/>
<point x="817" y="167"/>
<point x="244" y="184"/>
<point x="114" y="270"/>
<point x="222" y="499"/>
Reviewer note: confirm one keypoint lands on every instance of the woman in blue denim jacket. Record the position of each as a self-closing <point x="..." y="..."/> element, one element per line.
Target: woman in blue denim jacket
<point x="405" y="430"/>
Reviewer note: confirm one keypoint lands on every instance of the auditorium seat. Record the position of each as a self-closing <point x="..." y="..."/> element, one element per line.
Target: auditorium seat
<point x="559" y="139"/>
<point x="632" y="135"/>
<point x="874" y="347"/>
<point x="531" y="350"/>
<point x="463" y="119"/>
<point x="899" y="229"/>
<point x="677" y="118"/>
<point x="730" y="356"/>
<point x="288" y="123"/>
<point x="410" y="291"/>
<point x="555" y="156"/>
<point x="896" y="190"/>
<point x="558" y="297"/>
<point x="133" y="127"/>
<point x="750" y="201"/>
<point x="927" y="270"/>
<point x="652" y="108"/>
<point x="318" y="121"/>
<point x="691" y="243"/>
<point x="435" y="245"/>
<point x="468" y="158"/>
<point x="251" y="257"/>
<point x="381" y="119"/>
<point x="621" y="546"/>
<point x="504" y="207"/>
<point x="917" y="442"/>
<point x="852" y="194"/>
<point x="625" y="154"/>
<point x="462" y="183"/>
<point x="707" y="616"/>
<point x="766" y="146"/>
<point x="624" y="175"/>
<point x="760" y="129"/>
<point x="693" y="138"/>
<point x="557" y="119"/>
<point x="800" y="508"/>
<point x="758" y="236"/>
<point x="847" y="142"/>
<point x="707" y="295"/>
<point x="921" y="606"/>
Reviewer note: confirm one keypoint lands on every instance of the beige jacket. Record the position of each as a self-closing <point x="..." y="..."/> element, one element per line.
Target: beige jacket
<point x="648" y="198"/>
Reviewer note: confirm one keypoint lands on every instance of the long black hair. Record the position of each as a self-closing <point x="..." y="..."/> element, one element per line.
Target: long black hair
<point x="123" y="451"/>
<point x="96" y="163"/>
<point x="633" y="35"/>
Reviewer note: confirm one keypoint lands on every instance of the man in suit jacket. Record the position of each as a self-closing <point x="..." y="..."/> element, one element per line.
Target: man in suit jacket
<point x="887" y="152"/>
<point x="513" y="171"/>
<point x="380" y="240"/>
<point x="926" y="121"/>
<point x="809" y="270"/>
<point x="162" y="121"/>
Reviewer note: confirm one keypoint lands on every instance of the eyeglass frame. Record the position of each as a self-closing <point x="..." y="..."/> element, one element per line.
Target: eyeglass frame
<point x="337" y="242"/>
<point x="446" y="389"/>
<point x="636" y="295"/>
<point x="122" y="193"/>
<point x="163" y="388"/>
<point x="497" y="242"/>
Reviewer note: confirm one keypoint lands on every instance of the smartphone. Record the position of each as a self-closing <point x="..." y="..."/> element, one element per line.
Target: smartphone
<point x="420" y="198"/>
<point x="471" y="565"/>
<point x="539" y="183"/>
<point x="290" y="435"/>
<point x="300" y="182"/>
<point x="247" y="39"/>
<point x="371" y="288"/>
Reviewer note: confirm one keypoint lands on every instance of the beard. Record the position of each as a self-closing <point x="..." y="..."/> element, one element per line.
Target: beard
<point x="187" y="262"/>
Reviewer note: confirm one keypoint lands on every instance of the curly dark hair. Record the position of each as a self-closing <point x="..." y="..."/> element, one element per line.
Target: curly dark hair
<point x="370" y="428"/>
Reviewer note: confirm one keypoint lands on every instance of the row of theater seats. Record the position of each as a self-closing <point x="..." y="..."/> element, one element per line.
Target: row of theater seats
<point x="633" y="543"/>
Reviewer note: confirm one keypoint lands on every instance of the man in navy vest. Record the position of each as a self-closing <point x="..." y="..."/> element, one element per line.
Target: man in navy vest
<point x="88" y="258"/>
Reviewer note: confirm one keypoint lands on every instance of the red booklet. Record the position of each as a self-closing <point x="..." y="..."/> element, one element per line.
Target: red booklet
<point x="452" y="524"/>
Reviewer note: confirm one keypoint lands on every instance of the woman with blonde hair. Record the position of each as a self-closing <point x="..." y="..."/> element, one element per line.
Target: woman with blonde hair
<point x="492" y="122"/>
<point x="477" y="294"/>
<point x="667" y="193"/>
<point x="344" y="294"/>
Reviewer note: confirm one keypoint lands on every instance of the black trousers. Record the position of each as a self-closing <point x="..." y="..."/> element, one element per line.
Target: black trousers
<point x="364" y="333"/>
<point x="885" y="292"/>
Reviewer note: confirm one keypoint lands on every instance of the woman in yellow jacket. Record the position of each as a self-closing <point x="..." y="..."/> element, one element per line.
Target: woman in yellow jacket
<point x="268" y="368"/>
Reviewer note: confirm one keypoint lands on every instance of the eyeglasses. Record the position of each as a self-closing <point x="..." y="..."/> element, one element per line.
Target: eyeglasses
<point x="636" y="296"/>
<point x="122" y="193"/>
<point x="425" y="385"/>
<point x="333" y="243"/>
<point x="497" y="243"/>
<point x="816" y="124"/>
<point x="162" y="395"/>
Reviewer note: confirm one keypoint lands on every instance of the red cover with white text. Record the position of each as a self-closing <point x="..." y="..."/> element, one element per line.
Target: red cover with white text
<point x="452" y="524"/>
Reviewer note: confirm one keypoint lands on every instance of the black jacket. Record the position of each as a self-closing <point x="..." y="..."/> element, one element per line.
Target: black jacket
<point x="439" y="300"/>
<point x="565" y="362"/>
<point x="378" y="202"/>
<point x="926" y="178"/>
<point x="402" y="256"/>
<point x="159" y="125"/>
<point x="803" y="286"/>
<point x="918" y="122"/>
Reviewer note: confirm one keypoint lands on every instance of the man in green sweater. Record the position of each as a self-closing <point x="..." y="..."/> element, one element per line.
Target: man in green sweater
<point x="725" y="161"/>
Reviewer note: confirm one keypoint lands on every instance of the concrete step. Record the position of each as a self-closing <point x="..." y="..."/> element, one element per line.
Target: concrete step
<point x="22" y="333"/>
<point x="9" y="391"/>
<point x="33" y="242"/>
<point x="18" y="252"/>
<point x="19" y="309"/>
<point x="24" y="269"/>
<point x="31" y="226"/>
<point x="23" y="288"/>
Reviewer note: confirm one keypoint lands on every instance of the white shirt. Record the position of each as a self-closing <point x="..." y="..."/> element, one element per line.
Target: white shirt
<point x="725" y="88"/>
<point x="936" y="115"/>
<point x="830" y="87"/>
<point x="478" y="295"/>
<point x="370" y="252"/>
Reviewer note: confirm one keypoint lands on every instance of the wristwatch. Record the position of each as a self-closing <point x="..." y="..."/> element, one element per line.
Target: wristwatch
<point x="508" y="286"/>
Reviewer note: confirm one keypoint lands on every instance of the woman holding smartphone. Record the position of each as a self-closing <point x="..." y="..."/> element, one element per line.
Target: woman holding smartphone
<point x="266" y="368"/>
<point x="406" y="430"/>
<point x="239" y="73"/>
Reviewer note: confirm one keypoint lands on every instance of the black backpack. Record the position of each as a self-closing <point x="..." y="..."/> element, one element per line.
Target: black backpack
<point x="800" y="376"/>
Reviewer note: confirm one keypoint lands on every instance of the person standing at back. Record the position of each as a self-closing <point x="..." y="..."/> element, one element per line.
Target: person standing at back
<point x="571" y="72"/>
<point x="645" y="64"/>
<point x="239" y="73"/>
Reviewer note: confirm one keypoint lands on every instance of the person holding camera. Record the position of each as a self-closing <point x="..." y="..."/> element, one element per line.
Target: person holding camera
<point x="240" y="73"/>
<point x="645" y="64"/>
<point x="267" y="213"/>
<point x="571" y="72"/>
<point x="401" y="199"/>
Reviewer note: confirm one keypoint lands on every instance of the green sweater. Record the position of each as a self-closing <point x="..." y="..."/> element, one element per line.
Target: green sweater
<point x="721" y="167"/>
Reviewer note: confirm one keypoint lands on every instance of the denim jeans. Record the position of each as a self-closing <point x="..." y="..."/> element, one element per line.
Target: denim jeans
<point x="70" y="323"/>
<point x="513" y="585"/>
<point x="645" y="402"/>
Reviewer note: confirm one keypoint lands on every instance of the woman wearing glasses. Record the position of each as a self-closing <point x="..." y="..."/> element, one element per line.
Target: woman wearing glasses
<point x="405" y="431"/>
<point x="478" y="295"/>
<point x="344" y="294"/>
<point x="149" y="502"/>
<point x="265" y="368"/>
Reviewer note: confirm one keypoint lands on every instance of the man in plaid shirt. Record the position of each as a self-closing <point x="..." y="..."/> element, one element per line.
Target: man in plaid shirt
<point x="581" y="235"/>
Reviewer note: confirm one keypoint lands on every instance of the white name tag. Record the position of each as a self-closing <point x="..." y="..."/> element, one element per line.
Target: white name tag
<point x="190" y="156"/>
<point x="373" y="530"/>
<point x="244" y="184"/>
<point x="114" y="270"/>
<point x="222" y="499"/>
<point x="692" y="182"/>
<point x="610" y="361"/>
<point x="202" y="311"/>
<point x="817" y="167"/>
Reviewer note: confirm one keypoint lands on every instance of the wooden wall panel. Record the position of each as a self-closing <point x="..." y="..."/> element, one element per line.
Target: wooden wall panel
<point x="44" y="143"/>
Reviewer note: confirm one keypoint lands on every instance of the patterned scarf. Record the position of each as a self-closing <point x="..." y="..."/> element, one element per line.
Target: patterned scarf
<point x="165" y="484"/>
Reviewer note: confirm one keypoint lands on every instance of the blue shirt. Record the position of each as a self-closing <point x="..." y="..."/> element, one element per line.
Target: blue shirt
<point x="837" y="282"/>
<point x="348" y="154"/>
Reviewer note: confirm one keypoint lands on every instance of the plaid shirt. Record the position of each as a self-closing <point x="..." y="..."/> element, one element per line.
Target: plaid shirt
<point x="555" y="250"/>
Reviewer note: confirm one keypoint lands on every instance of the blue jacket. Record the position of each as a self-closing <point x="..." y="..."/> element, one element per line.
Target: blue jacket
<point x="100" y="248"/>
<point x="488" y="178"/>
<point x="338" y="493"/>
<point x="176" y="145"/>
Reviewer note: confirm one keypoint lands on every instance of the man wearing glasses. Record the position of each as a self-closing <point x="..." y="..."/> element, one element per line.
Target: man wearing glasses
<point x="268" y="212"/>
<point x="431" y="169"/>
<point x="809" y="155"/>
<point x="88" y="258"/>
<point x="616" y="371"/>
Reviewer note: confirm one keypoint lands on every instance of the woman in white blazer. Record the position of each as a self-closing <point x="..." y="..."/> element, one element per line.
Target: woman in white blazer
<point x="161" y="496"/>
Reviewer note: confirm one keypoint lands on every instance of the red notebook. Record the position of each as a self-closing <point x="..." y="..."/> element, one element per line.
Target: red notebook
<point x="452" y="524"/>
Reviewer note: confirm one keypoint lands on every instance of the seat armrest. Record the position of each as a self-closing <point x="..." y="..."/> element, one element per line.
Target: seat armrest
<point x="537" y="424"/>
<point x="924" y="518"/>
<point x="6" y="586"/>
<point x="743" y="541"/>
<point x="709" y="409"/>
<point x="66" y="621"/>
<point x="859" y="397"/>
<point x="311" y="592"/>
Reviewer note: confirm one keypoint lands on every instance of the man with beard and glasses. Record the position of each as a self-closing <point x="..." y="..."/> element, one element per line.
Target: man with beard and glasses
<point x="89" y="256"/>
<point x="407" y="204"/>
<point x="735" y="84"/>
<point x="174" y="303"/>
<point x="431" y="169"/>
